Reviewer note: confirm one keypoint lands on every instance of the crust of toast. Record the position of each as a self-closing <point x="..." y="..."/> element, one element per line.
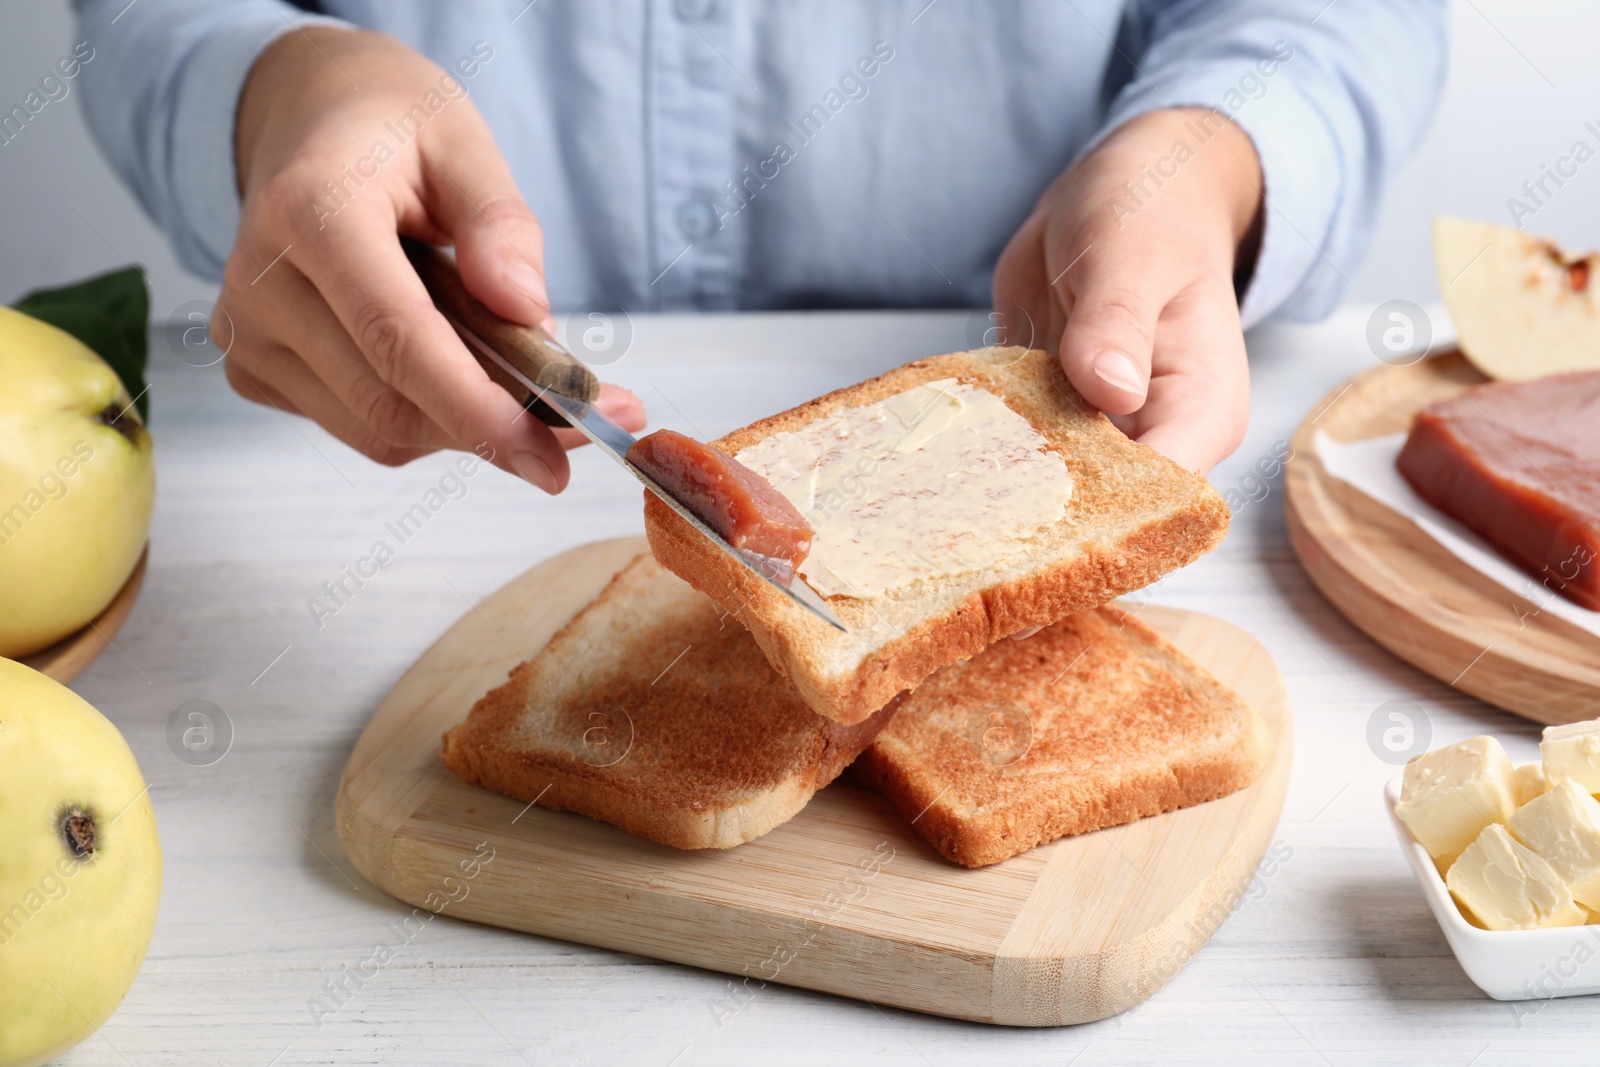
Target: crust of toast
<point x="1134" y="516"/>
<point x="653" y="711"/>
<point x="1092" y="722"/>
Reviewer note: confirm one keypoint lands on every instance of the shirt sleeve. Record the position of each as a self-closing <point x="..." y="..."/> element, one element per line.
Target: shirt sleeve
<point x="160" y="91"/>
<point x="1333" y="93"/>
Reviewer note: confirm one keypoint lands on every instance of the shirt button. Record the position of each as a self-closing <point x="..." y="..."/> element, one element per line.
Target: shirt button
<point x="695" y="10"/>
<point x="696" y="219"/>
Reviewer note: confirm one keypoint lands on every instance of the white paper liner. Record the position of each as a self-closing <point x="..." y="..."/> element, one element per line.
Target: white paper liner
<point x="1369" y="466"/>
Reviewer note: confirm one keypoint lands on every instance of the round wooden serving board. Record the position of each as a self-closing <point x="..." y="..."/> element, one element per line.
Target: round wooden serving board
<point x="1068" y="932"/>
<point x="1408" y="592"/>
<point x="68" y="657"/>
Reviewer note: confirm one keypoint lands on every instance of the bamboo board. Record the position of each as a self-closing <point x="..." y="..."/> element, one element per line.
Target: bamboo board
<point x="1408" y="592"/>
<point x="844" y="898"/>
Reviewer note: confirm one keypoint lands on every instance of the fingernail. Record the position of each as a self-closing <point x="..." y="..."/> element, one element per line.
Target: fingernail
<point x="1023" y="635"/>
<point x="526" y="280"/>
<point x="532" y="468"/>
<point x="1116" y="369"/>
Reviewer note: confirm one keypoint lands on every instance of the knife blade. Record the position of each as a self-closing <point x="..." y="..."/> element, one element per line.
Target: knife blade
<point x="561" y="392"/>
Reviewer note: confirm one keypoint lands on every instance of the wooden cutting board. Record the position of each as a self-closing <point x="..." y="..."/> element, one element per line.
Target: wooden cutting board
<point x="1069" y="932"/>
<point x="1410" y="593"/>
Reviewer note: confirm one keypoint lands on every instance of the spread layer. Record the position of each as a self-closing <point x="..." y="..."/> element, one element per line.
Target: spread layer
<point x="940" y="480"/>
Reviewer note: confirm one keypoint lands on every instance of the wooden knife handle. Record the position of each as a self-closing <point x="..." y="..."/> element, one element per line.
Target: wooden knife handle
<point x="528" y="348"/>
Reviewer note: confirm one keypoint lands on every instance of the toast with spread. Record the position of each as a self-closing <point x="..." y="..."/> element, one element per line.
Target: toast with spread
<point x="953" y="502"/>
<point x="1092" y="722"/>
<point x="655" y="712"/>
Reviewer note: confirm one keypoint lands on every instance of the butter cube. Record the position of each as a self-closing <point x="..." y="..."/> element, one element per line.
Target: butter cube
<point x="1507" y="886"/>
<point x="1450" y="794"/>
<point x="1563" y="826"/>
<point x="1530" y="782"/>
<point x="1573" y="751"/>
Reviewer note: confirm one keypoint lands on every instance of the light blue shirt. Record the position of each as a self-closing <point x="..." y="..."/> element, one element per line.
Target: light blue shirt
<point x="725" y="154"/>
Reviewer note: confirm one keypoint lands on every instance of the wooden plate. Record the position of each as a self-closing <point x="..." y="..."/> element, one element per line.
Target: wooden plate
<point x="844" y="898"/>
<point x="67" y="658"/>
<point x="1408" y="592"/>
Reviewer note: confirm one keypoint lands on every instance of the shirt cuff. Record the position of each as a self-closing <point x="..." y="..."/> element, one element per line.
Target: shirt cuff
<point x="204" y="185"/>
<point x="1300" y="166"/>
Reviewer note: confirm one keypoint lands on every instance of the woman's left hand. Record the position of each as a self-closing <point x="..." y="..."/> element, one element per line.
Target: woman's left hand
<point x="1125" y="269"/>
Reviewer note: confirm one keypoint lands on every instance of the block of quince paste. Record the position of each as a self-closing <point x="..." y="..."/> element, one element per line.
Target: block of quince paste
<point x="1450" y="794"/>
<point x="1505" y="885"/>
<point x="1563" y="826"/>
<point x="1530" y="782"/>
<point x="1573" y="751"/>
<point x="1519" y="464"/>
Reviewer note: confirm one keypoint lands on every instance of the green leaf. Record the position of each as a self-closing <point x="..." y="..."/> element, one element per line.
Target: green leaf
<point x="111" y="314"/>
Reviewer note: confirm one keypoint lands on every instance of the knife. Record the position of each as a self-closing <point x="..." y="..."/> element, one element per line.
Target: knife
<point x="559" y="389"/>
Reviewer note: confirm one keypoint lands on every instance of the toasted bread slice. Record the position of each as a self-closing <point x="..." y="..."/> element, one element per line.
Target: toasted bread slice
<point x="1133" y="516"/>
<point x="1092" y="722"/>
<point x="653" y="711"/>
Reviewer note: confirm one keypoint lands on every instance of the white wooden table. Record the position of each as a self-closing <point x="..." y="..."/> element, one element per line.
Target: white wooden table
<point x="1333" y="958"/>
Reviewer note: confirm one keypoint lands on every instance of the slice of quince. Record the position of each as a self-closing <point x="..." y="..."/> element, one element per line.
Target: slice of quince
<point x="1523" y="307"/>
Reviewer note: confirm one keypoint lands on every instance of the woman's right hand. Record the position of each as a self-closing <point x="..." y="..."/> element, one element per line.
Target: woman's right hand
<point x="320" y="311"/>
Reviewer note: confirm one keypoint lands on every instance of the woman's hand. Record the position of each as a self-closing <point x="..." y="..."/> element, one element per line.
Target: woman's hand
<point x="1126" y="270"/>
<point x="346" y="140"/>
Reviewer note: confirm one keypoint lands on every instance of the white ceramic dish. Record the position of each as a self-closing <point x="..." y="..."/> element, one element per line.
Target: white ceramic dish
<point x="1506" y="964"/>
